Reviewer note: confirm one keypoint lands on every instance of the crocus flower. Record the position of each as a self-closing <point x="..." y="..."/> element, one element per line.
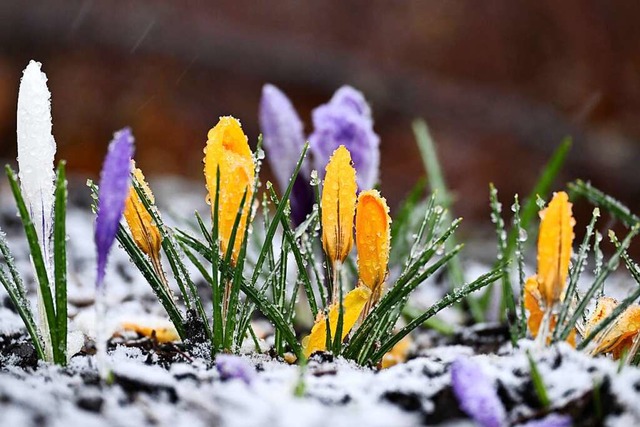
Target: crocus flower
<point x="283" y="139"/>
<point x="338" y="205"/>
<point x="353" y="304"/>
<point x="373" y="237"/>
<point x="544" y="290"/>
<point x="618" y="337"/>
<point x="398" y="354"/>
<point x="114" y="188"/>
<point x="346" y="120"/>
<point x="234" y="367"/>
<point x="228" y="151"/>
<point x="145" y="233"/>
<point x="477" y="394"/>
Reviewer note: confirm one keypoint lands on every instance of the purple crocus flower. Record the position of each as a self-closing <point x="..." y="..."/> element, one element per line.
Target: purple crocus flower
<point x="552" y="420"/>
<point x="346" y="120"/>
<point x="114" y="189"/>
<point x="477" y="394"/>
<point x="283" y="138"/>
<point x="234" y="367"/>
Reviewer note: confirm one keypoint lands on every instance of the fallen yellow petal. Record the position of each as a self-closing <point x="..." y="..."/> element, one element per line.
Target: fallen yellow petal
<point x="145" y="233"/>
<point x="353" y="304"/>
<point x="398" y="354"/>
<point x="228" y="149"/>
<point x="554" y="247"/>
<point x="338" y="205"/>
<point x="163" y="333"/>
<point x="373" y="236"/>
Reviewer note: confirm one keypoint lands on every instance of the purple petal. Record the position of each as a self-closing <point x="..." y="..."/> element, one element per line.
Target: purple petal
<point x="477" y="394"/>
<point x="283" y="139"/>
<point x="552" y="420"/>
<point x="346" y="120"/>
<point x="114" y="188"/>
<point x="234" y="367"/>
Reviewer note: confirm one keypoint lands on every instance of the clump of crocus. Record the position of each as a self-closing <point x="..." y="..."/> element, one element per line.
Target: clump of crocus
<point x="545" y="290"/>
<point x="372" y="238"/>
<point x="344" y="120"/>
<point x="228" y="159"/>
<point x="115" y="179"/>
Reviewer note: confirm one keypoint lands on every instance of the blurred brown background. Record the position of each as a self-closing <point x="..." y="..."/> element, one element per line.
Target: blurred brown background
<point x="500" y="82"/>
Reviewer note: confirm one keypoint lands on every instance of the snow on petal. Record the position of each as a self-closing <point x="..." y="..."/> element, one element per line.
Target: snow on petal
<point x="338" y="205"/>
<point x="228" y="150"/>
<point x="36" y="150"/>
<point x="353" y="304"/>
<point x="477" y="394"/>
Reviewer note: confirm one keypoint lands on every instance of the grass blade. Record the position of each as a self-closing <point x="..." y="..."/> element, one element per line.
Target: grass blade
<point x="60" y="262"/>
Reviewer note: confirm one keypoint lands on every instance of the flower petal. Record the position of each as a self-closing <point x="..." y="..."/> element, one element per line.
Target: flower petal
<point x="114" y="188"/>
<point x="353" y="304"/>
<point x="338" y="205"/>
<point x="554" y="247"/>
<point x="145" y="233"/>
<point x="346" y="120"/>
<point x="228" y="149"/>
<point x="373" y="236"/>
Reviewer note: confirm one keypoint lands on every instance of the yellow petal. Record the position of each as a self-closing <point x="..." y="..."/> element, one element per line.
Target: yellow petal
<point x="338" y="205"/>
<point x="532" y="305"/>
<point x="353" y="304"/>
<point x="145" y="233"/>
<point x="398" y="354"/>
<point x="554" y="247"/>
<point x="373" y="238"/>
<point x="619" y="337"/>
<point x="163" y="334"/>
<point x="228" y="149"/>
<point x="604" y="307"/>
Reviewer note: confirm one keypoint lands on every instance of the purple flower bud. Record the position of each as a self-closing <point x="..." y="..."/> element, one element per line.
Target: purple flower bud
<point x="283" y="139"/>
<point x="234" y="367"/>
<point x="114" y="189"/>
<point x="346" y="120"/>
<point x="477" y="394"/>
<point x="552" y="420"/>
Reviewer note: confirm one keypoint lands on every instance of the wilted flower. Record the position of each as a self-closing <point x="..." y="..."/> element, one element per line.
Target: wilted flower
<point x="162" y="330"/>
<point x="114" y="188"/>
<point x="228" y="151"/>
<point x="234" y="367"/>
<point x="338" y="205"/>
<point x="477" y="394"/>
<point x="346" y="120"/>
<point x="618" y="337"/>
<point x="353" y="304"/>
<point x="373" y="237"/>
<point x="544" y="290"/>
<point x="145" y="233"/>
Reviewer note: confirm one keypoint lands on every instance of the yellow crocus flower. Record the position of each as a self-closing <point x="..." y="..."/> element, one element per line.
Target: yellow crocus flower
<point x="144" y="231"/>
<point x="544" y="290"/>
<point x="373" y="237"/>
<point x="228" y="149"/>
<point x="338" y="205"/>
<point x="618" y="337"/>
<point x="353" y="304"/>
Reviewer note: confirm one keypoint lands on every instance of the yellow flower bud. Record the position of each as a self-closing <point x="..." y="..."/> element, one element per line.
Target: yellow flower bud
<point x="228" y="149"/>
<point x="353" y="304"/>
<point x="373" y="237"/>
<point x="338" y="205"/>
<point x="145" y="233"/>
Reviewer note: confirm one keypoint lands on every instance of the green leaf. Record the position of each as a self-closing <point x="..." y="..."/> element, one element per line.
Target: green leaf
<point x="538" y="383"/>
<point x="60" y="262"/>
